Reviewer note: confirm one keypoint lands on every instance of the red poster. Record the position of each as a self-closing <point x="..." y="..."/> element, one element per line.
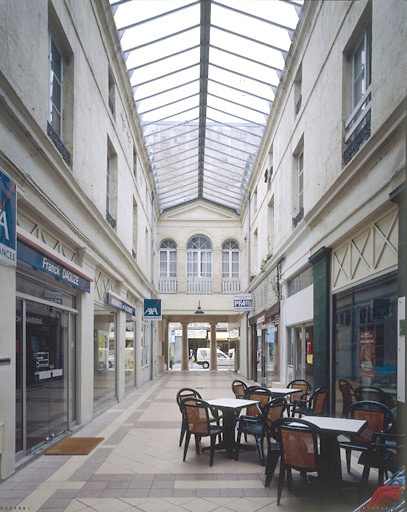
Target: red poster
<point x="366" y="354"/>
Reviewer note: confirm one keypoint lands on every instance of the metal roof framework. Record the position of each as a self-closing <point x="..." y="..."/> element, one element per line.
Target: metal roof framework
<point x="204" y="74"/>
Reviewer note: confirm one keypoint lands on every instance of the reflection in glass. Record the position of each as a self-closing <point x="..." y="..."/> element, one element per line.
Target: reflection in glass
<point x="19" y="375"/>
<point x="366" y="337"/>
<point x="104" y="384"/>
<point x="129" y="362"/>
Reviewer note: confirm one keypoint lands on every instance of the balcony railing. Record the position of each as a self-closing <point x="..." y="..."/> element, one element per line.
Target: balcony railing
<point x="201" y="285"/>
<point x="357" y="126"/>
<point x="52" y="134"/>
<point x="168" y="285"/>
<point x="230" y="285"/>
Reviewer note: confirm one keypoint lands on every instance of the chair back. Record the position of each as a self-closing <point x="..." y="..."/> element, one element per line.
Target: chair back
<point x="239" y="388"/>
<point x="197" y="416"/>
<point x="260" y="394"/>
<point x="303" y="386"/>
<point x="347" y="395"/>
<point x="379" y="418"/>
<point x="370" y="393"/>
<point x="185" y="393"/>
<point x="299" y="443"/>
<point x="319" y="400"/>
<point x="272" y="412"/>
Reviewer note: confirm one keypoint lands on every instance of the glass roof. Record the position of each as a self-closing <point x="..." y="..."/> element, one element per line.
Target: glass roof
<point x="204" y="74"/>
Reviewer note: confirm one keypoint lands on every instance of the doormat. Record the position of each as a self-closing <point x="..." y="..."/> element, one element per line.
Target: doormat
<point x="75" y="446"/>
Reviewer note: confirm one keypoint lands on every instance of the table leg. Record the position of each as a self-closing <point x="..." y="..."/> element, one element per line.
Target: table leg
<point x="330" y="458"/>
<point x="229" y="433"/>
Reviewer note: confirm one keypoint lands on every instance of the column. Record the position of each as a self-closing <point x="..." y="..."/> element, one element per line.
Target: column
<point x="214" y="346"/>
<point x="137" y="342"/>
<point x="321" y="267"/>
<point x="184" y="348"/>
<point x="399" y="196"/>
<point x="85" y="345"/>
<point x="8" y="369"/>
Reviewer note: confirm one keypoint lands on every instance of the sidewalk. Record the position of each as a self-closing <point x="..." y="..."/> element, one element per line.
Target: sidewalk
<point x="139" y="465"/>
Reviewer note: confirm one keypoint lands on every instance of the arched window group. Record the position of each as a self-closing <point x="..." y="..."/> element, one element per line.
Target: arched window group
<point x="199" y="268"/>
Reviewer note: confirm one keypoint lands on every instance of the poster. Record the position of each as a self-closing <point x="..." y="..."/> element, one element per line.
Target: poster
<point x="367" y="354"/>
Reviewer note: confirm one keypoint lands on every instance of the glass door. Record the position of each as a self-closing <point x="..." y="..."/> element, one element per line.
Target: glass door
<point x="46" y="359"/>
<point x="270" y="352"/>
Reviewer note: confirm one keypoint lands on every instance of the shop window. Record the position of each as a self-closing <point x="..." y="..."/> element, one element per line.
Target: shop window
<point x="300" y="281"/>
<point x="104" y="388"/>
<point x="129" y="355"/>
<point x="358" y="74"/>
<point x="365" y="327"/>
<point x="144" y="345"/>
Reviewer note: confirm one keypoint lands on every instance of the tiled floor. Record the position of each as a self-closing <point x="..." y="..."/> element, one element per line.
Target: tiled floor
<point x="139" y="465"/>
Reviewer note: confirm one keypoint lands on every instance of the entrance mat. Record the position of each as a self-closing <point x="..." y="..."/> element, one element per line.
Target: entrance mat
<point x="75" y="446"/>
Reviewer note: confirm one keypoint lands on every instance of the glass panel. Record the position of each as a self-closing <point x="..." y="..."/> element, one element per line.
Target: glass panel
<point x="47" y="378"/>
<point x="130" y="362"/>
<point x="56" y="94"/>
<point x="235" y="264"/>
<point x="72" y="368"/>
<point x="56" y="121"/>
<point x="271" y="356"/>
<point x="19" y="375"/>
<point x="44" y="291"/>
<point x="104" y="357"/>
<point x="56" y="60"/>
<point x="163" y="263"/>
<point x="173" y="264"/>
<point x="366" y="338"/>
<point x="225" y="264"/>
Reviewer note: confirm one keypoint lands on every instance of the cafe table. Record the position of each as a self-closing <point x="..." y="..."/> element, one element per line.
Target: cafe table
<point x="229" y="407"/>
<point x="330" y="455"/>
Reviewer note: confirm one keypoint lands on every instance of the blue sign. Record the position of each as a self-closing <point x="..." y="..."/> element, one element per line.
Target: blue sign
<point x="152" y="309"/>
<point x="38" y="258"/>
<point x="8" y="220"/>
<point x="117" y="302"/>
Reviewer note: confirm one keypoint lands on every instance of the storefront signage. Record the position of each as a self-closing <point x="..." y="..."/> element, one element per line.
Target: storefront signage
<point x="367" y="354"/>
<point x="39" y="258"/>
<point x="117" y="302"/>
<point x="152" y="309"/>
<point x="8" y="221"/>
<point x="242" y="302"/>
<point x="261" y="319"/>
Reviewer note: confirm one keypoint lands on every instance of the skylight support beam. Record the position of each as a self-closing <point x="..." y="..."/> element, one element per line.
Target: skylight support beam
<point x="174" y="155"/>
<point x="203" y="87"/>
<point x="230" y="137"/>
<point x="168" y="104"/>
<point x="268" y="66"/>
<point x="228" y="146"/>
<point x="234" y="127"/>
<point x="225" y="154"/>
<point x="165" y="166"/>
<point x="171" y="128"/>
<point x="122" y="30"/>
<point x="156" y="61"/>
<point x="175" y="146"/>
<point x="239" y="117"/>
<point x="272" y="47"/>
<point x="166" y="75"/>
<point x="267" y="84"/>
<point x="169" y="138"/>
<point x="238" y="176"/>
<point x="241" y="90"/>
<point x="166" y="90"/>
<point x="238" y="104"/>
<point x="166" y="117"/>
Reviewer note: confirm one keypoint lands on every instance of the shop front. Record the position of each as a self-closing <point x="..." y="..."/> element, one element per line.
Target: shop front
<point x="365" y="337"/>
<point x="47" y="290"/>
<point x="265" y="347"/>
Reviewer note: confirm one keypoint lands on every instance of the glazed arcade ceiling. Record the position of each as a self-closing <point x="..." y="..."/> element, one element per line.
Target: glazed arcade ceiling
<point x="204" y="75"/>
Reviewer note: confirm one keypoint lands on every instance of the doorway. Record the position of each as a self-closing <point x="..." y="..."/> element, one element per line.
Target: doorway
<point x="300" y="353"/>
<point x="45" y="375"/>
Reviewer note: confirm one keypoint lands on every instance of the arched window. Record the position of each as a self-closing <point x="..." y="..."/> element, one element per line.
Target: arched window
<point x="230" y="259"/>
<point x="168" y="259"/>
<point x="199" y="257"/>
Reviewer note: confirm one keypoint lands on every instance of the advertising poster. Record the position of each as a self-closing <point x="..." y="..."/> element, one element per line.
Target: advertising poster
<point x="367" y="354"/>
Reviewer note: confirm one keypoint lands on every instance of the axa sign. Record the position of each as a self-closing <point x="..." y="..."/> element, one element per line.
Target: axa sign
<point x="152" y="309"/>
<point x="8" y="220"/>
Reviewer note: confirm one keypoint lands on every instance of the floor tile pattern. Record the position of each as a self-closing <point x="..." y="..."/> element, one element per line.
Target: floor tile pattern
<point x="139" y="465"/>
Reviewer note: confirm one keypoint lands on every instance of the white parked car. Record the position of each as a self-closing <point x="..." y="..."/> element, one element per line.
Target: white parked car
<point x="203" y="358"/>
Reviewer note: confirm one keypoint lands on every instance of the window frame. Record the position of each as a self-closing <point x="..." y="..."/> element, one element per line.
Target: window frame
<point x="229" y="252"/>
<point x="109" y="184"/>
<point x="204" y="258"/>
<point x="168" y="251"/>
<point x="52" y="41"/>
<point x="300" y="180"/>
<point x="366" y="39"/>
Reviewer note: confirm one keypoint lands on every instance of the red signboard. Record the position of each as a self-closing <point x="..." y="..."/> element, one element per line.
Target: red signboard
<point x="366" y="354"/>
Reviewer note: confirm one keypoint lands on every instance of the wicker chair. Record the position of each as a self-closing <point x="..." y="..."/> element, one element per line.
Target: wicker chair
<point x="239" y="388"/>
<point x="197" y="413"/>
<point x="379" y="419"/>
<point x="304" y="388"/>
<point x="386" y="452"/>
<point x="299" y="450"/>
<point x="315" y="406"/>
<point x="182" y="395"/>
<point x="272" y="412"/>
<point x="253" y="422"/>
<point x="347" y="395"/>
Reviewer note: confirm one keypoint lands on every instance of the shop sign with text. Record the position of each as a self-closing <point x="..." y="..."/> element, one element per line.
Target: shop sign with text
<point x="119" y="303"/>
<point x="8" y="221"/>
<point x="152" y="309"/>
